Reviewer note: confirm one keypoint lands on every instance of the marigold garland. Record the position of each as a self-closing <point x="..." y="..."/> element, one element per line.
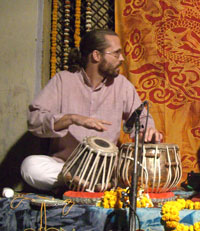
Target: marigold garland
<point x="170" y="209"/>
<point x="77" y="37"/>
<point x="53" y="37"/>
<point x="170" y="214"/>
<point x="112" y="199"/>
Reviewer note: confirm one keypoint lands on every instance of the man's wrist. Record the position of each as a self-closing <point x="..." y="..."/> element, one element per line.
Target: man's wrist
<point x="72" y="118"/>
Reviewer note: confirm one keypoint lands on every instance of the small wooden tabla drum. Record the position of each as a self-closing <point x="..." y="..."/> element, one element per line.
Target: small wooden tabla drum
<point x="91" y="166"/>
<point x="159" y="167"/>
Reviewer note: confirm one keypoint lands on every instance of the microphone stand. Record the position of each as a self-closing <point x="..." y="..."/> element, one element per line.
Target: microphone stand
<point x="134" y="180"/>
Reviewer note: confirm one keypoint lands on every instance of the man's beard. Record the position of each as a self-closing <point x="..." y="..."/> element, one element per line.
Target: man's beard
<point x="107" y="70"/>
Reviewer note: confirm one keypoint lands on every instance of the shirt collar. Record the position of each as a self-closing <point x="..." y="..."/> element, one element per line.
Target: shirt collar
<point x="87" y="81"/>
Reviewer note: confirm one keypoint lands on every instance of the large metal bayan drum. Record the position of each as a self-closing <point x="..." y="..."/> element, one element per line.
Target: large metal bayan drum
<point x="159" y="170"/>
<point x="91" y="166"/>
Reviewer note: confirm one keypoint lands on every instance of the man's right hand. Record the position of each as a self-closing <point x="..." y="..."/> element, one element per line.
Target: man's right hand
<point x="79" y="120"/>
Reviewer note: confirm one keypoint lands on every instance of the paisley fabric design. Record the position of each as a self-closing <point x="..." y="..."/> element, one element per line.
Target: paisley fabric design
<point x="161" y="45"/>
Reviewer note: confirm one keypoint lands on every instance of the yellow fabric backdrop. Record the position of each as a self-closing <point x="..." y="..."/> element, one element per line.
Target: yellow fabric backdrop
<point x="161" y="44"/>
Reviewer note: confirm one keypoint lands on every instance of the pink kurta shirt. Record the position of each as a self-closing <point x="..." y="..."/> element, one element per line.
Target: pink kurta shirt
<point x="71" y="93"/>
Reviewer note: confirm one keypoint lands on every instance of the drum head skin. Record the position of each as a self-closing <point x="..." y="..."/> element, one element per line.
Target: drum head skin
<point x="48" y="202"/>
<point x="101" y="144"/>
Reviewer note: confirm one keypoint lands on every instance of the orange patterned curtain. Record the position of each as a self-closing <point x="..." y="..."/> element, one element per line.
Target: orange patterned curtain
<point x="161" y="44"/>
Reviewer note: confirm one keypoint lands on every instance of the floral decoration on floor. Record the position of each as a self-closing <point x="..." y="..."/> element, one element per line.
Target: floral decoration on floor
<point x="170" y="214"/>
<point x="113" y="199"/>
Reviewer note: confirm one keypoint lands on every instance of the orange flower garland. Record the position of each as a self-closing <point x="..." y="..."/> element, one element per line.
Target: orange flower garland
<point x="170" y="214"/>
<point x="77" y="23"/>
<point x="112" y="199"/>
<point x="53" y="37"/>
<point x="77" y="32"/>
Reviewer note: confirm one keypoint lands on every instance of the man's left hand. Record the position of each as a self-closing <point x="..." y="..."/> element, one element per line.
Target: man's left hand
<point x="153" y="135"/>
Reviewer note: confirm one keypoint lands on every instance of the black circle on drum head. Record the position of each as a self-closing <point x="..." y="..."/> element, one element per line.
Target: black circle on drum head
<point x="102" y="143"/>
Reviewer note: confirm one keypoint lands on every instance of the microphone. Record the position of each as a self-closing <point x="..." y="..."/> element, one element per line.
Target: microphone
<point x="128" y="125"/>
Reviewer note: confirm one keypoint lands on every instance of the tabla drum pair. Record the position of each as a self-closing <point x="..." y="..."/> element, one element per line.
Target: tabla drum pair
<point x="92" y="166"/>
<point x="159" y="167"/>
<point x="96" y="165"/>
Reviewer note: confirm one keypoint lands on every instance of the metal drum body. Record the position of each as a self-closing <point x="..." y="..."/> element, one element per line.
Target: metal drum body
<point x="91" y="165"/>
<point x="160" y="168"/>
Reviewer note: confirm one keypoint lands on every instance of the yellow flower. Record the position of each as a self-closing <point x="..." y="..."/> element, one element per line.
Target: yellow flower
<point x="106" y="205"/>
<point x="191" y="228"/>
<point x="197" y="205"/>
<point x="166" y="217"/>
<point x="171" y="224"/>
<point x="112" y="199"/>
<point x="197" y="226"/>
<point x="138" y="204"/>
<point x="170" y="214"/>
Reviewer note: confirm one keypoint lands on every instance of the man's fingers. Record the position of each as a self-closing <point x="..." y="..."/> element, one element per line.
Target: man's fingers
<point x="101" y="126"/>
<point x="153" y="135"/>
<point x="106" y="122"/>
<point x="97" y="124"/>
<point x="149" y="135"/>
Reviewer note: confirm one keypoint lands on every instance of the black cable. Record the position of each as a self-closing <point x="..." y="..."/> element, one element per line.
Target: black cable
<point x="125" y="194"/>
<point x="140" y="157"/>
<point x="140" y="161"/>
<point x="145" y="127"/>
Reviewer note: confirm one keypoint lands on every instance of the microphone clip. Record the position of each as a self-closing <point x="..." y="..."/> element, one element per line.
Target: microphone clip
<point x="128" y="125"/>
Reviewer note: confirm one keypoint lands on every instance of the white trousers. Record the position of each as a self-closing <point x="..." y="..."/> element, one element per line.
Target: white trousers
<point x="42" y="172"/>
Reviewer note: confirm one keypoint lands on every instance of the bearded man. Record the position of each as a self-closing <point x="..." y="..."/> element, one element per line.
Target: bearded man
<point x="91" y="99"/>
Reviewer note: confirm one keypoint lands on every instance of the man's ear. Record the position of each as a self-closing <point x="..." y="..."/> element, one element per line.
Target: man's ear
<point x="96" y="55"/>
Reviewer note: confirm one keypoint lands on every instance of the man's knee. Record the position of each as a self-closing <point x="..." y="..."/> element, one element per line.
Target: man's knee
<point x="41" y="171"/>
<point x="29" y="165"/>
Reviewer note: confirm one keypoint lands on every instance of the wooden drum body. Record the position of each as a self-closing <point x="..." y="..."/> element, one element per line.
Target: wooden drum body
<point x="91" y="165"/>
<point x="160" y="169"/>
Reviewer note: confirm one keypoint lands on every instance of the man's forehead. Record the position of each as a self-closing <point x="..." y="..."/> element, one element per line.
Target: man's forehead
<point x="113" y="40"/>
<point x="111" y="37"/>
